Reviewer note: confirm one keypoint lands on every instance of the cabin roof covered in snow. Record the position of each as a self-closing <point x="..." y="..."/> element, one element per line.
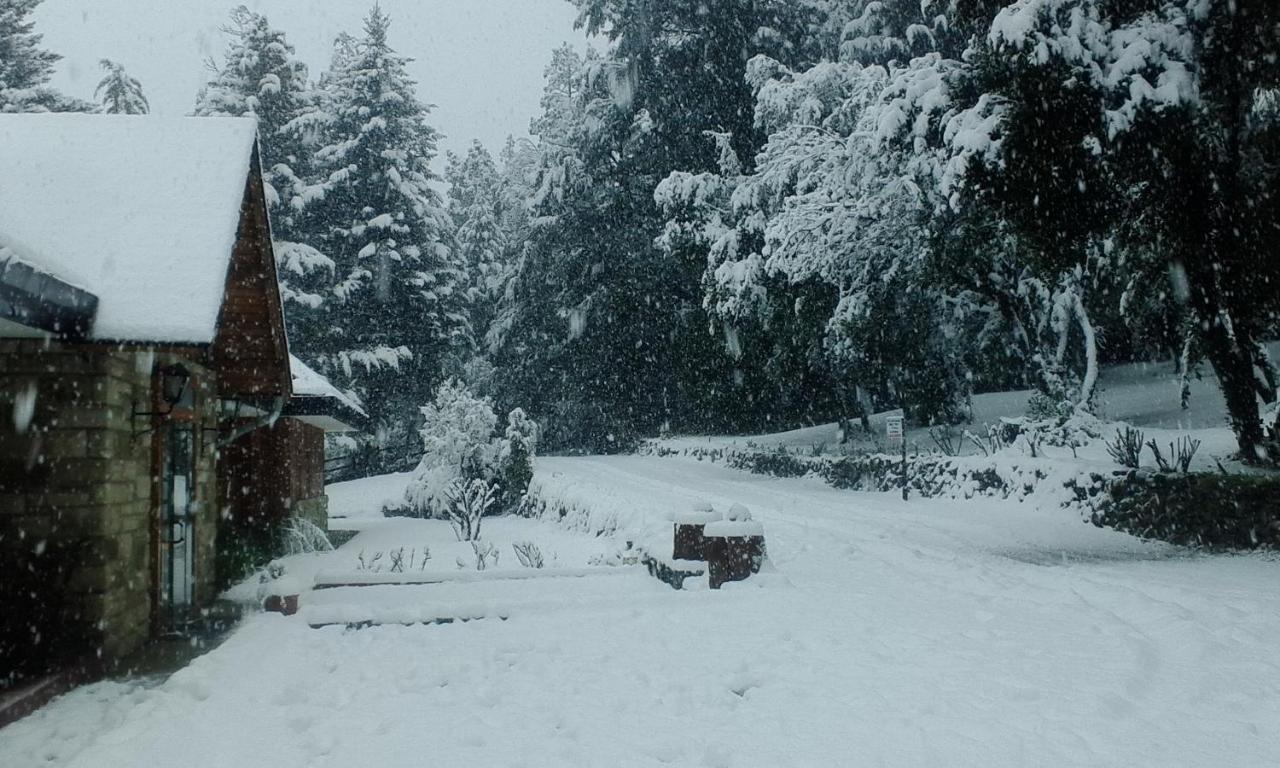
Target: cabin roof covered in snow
<point x="142" y="212"/>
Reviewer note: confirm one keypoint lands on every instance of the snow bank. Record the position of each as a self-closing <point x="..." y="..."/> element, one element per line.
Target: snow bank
<point x="365" y="498"/>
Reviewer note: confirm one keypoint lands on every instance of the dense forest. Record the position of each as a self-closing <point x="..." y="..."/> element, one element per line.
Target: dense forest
<point x="749" y="215"/>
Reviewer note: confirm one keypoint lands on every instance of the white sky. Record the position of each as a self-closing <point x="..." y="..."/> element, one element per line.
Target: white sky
<point x="479" y="61"/>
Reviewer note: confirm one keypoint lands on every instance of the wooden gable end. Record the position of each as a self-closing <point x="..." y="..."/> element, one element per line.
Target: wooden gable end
<point x="250" y="351"/>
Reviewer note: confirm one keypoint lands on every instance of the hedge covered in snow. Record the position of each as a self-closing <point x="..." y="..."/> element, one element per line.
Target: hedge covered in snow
<point x="1211" y="510"/>
<point x="1217" y="511"/>
<point x="927" y="475"/>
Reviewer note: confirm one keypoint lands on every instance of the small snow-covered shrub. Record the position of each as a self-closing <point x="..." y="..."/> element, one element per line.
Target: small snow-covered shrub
<point x="302" y="536"/>
<point x="468" y="503"/>
<point x="947" y="439"/>
<point x="457" y="445"/>
<point x="516" y="462"/>
<point x="486" y="554"/>
<point x="1043" y="407"/>
<point x="1075" y="430"/>
<point x="395" y="560"/>
<point x="1181" y="454"/>
<point x="528" y="553"/>
<point x="1126" y="447"/>
<point x="991" y="443"/>
<point x="777" y="463"/>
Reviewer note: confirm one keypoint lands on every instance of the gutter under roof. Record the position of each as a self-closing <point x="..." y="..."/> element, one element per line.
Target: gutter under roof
<point x="38" y="300"/>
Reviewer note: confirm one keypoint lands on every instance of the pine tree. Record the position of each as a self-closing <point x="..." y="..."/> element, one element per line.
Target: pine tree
<point x="612" y="339"/>
<point x="400" y="316"/>
<point x="25" y="67"/>
<point x="476" y="205"/>
<point x="261" y="76"/>
<point x="118" y="93"/>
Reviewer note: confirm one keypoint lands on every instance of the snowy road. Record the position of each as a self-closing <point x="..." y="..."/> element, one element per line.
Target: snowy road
<point x="890" y="634"/>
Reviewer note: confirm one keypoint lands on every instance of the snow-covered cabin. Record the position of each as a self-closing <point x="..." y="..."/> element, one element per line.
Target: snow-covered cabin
<point x="278" y="471"/>
<point x="141" y="333"/>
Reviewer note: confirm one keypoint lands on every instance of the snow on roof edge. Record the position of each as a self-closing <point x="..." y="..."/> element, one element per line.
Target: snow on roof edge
<point x="308" y="383"/>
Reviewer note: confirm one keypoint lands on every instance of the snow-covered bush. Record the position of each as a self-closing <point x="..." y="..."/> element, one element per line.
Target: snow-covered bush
<point x="457" y="443"/>
<point x="468" y="502"/>
<point x="1074" y="429"/>
<point x="1210" y="510"/>
<point x="461" y="445"/>
<point x="395" y="560"/>
<point x="518" y="449"/>
<point x="485" y="553"/>
<point x="301" y="536"/>
<point x="1126" y="448"/>
<point x="528" y="553"/>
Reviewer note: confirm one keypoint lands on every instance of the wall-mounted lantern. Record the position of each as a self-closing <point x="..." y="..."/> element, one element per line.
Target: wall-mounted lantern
<point x="175" y="381"/>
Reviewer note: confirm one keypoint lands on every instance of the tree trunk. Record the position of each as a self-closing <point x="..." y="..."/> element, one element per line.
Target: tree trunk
<point x="1268" y="379"/>
<point x="1090" y="383"/>
<point x="1185" y="365"/>
<point x="1234" y="368"/>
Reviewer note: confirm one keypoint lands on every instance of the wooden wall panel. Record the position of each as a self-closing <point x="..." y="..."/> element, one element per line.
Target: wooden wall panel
<point x="251" y="352"/>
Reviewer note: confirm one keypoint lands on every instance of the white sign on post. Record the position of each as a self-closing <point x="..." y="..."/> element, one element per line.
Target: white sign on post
<point x="893" y="427"/>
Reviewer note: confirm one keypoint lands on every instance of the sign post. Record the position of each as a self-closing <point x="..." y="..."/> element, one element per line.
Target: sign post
<point x="893" y="428"/>
<point x="895" y="433"/>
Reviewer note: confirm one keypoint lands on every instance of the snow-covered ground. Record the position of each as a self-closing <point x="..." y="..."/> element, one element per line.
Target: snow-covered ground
<point x="365" y="498"/>
<point x="886" y="633"/>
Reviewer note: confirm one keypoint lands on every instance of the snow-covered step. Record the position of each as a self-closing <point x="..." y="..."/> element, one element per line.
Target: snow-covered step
<point x="335" y="579"/>
<point x="471" y="598"/>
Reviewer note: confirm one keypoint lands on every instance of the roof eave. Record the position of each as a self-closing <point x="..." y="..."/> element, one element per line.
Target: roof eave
<point x="325" y="406"/>
<point x="38" y="300"/>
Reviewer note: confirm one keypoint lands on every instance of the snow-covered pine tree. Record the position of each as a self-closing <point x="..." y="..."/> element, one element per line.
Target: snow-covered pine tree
<point x="617" y="341"/>
<point x="261" y="76"/>
<point x="400" y="321"/>
<point x="526" y="337"/>
<point x="831" y="226"/>
<point x="476" y="204"/>
<point x="25" y="67"/>
<point x="519" y="167"/>
<point x="119" y="93"/>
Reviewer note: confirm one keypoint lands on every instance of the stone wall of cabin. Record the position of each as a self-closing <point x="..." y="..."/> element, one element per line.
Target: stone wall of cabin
<point x="76" y="487"/>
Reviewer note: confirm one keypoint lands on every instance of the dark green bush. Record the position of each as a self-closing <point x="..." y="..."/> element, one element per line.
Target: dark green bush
<point x="1216" y="511"/>
<point x="777" y="463"/>
<point x="243" y="548"/>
